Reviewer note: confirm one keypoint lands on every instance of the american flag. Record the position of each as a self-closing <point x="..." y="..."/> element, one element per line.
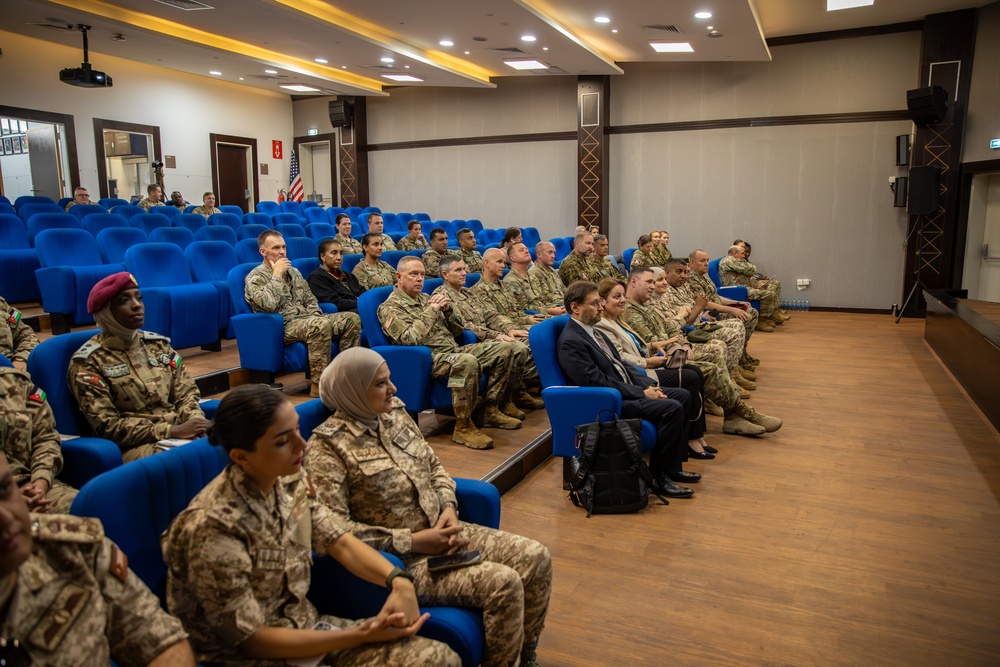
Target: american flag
<point x="295" y="192"/>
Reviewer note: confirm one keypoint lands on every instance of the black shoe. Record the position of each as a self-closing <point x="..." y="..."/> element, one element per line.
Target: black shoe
<point x="710" y="449"/>
<point x="685" y="476"/>
<point x="666" y="487"/>
<point x="705" y="455"/>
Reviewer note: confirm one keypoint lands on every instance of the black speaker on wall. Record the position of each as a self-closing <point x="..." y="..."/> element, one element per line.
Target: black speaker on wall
<point x="341" y="113"/>
<point x="922" y="191"/>
<point x="927" y="106"/>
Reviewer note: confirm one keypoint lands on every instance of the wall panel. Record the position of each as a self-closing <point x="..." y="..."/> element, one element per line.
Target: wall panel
<point x="983" y="120"/>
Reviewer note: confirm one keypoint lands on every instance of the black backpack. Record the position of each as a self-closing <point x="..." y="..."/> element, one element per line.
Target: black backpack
<point x="609" y="476"/>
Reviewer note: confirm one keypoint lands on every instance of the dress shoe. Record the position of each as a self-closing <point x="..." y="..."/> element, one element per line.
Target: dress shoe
<point x="685" y="476"/>
<point x="710" y="449"/>
<point x="666" y="487"/>
<point x="705" y="455"/>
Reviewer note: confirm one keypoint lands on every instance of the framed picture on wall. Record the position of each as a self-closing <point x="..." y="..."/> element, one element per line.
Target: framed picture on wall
<point x="22" y="127"/>
<point x="24" y="144"/>
<point x="5" y="125"/>
<point x="2" y="151"/>
<point x="7" y="148"/>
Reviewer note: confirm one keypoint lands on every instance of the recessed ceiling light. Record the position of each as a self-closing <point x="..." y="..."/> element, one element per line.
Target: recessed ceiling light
<point x="703" y="15"/>
<point x="322" y="61"/>
<point x="402" y="77"/>
<point x="270" y="71"/>
<point x="602" y="19"/>
<point x="545" y="48"/>
<point x="834" y="5"/>
<point x="343" y="67"/>
<point x="406" y="67"/>
<point x="446" y="42"/>
<point x="614" y="30"/>
<point x="527" y="38"/>
<point x="241" y="78"/>
<point x="467" y="52"/>
<point x="525" y="64"/>
<point x="388" y="60"/>
<point x="299" y="88"/>
<point x="711" y="27"/>
<point x="671" y="47"/>
<point x="215" y="73"/>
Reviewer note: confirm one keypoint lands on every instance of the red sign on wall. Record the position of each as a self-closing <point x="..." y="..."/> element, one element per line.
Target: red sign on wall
<point x="276" y="149"/>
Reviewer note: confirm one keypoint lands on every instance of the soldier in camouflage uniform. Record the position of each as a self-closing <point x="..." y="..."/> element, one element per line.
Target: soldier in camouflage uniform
<point x="277" y="287"/>
<point x="438" y="251"/>
<point x="735" y="270"/>
<point x="377" y="226"/>
<point x="29" y="439"/>
<point x="709" y="358"/>
<point x="700" y="283"/>
<point x="130" y="384"/>
<point x="154" y="197"/>
<point x="70" y="598"/>
<point x="467" y="242"/>
<point x="371" y="271"/>
<point x="208" y="205"/>
<point x="350" y="245"/>
<point x="414" y="240"/>
<point x="603" y="266"/>
<point x="507" y="302"/>
<point x="577" y="265"/>
<point x="409" y="509"/>
<point x="239" y="557"/>
<point x="80" y="196"/>
<point x="779" y="315"/>
<point x="519" y="282"/>
<point x="545" y="281"/>
<point x="17" y="339"/>
<point x="643" y="254"/>
<point x="410" y="317"/>
<point x="660" y="252"/>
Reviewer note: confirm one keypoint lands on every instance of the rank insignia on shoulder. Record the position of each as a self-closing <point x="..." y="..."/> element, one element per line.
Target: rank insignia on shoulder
<point x="119" y="564"/>
<point x="38" y="395"/>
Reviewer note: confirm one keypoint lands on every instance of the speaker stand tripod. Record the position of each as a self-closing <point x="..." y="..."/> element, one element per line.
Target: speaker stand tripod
<point x="918" y="284"/>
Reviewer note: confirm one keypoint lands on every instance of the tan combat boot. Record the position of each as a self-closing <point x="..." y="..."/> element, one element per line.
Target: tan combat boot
<point x="770" y="424"/>
<point x="493" y="417"/>
<point x="737" y="425"/>
<point x="764" y="324"/>
<point x="782" y="316"/>
<point x="511" y="410"/>
<point x="738" y="378"/>
<point x="753" y="361"/>
<point x="314" y="389"/>
<point x="526" y="401"/>
<point x="712" y="409"/>
<point x="467" y="434"/>
<point x="744" y="393"/>
<point x="747" y="373"/>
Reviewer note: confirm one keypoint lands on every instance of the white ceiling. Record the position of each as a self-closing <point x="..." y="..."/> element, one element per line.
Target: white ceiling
<point x="243" y="38"/>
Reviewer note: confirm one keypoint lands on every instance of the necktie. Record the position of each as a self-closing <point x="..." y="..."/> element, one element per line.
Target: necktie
<point x="614" y="362"/>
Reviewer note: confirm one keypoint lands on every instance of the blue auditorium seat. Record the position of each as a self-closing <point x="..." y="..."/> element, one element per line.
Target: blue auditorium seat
<point x="210" y="263"/>
<point x="431" y="284"/>
<point x="315" y="214"/>
<point x="247" y="250"/>
<point x="251" y="231"/>
<point x="288" y="229"/>
<point x="39" y="222"/>
<point x="147" y="222"/>
<point x="110" y="202"/>
<point x="128" y="211"/>
<point x="216" y="233"/>
<point x="306" y="205"/>
<point x="18" y="261"/>
<point x="96" y="222"/>
<point x="231" y="208"/>
<point x="626" y="257"/>
<point x="8" y="209"/>
<point x="562" y="248"/>
<point x="735" y="292"/>
<point x="230" y="220"/>
<point x="530" y="237"/>
<point x="292" y="207"/>
<point x="332" y="213"/>
<point x="81" y="210"/>
<point x="475" y="225"/>
<point x="181" y="237"/>
<point x="300" y="247"/>
<point x="350" y="261"/>
<point x="269" y="207"/>
<point x="169" y="211"/>
<point x="354" y="213"/>
<point x="392" y="257"/>
<point x="115" y="241"/>
<point x="189" y="208"/>
<point x="192" y="221"/>
<point x="318" y="231"/>
<point x="30" y="199"/>
<point x="258" y="219"/>
<point x="70" y="267"/>
<point x="424" y="217"/>
<point x="471" y="279"/>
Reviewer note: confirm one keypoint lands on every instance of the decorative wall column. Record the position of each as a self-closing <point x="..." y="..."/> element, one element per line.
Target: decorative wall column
<point x="354" y="158"/>
<point x="593" y="95"/>
<point x="945" y="60"/>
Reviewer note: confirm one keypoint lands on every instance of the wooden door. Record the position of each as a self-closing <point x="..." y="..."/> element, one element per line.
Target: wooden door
<point x="234" y="185"/>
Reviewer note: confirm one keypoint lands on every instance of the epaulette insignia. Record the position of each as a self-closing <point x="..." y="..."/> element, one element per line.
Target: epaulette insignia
<point x="87" y="349"/>
<point x="149" y="335"/>
<point x="66" y="528"/>
<point x="119" y="564"/>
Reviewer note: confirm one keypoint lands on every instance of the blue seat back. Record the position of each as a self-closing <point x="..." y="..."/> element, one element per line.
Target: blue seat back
<point x="543" y="338"/>
<point x="39" y="222"/>
<point x="27" y="210"/>
<point x="285" y="218"/>
<point x="128" y="211"/>
<point x="425" y="217"/>
<point x="147" y="222"/>
<point x="192" y="221"/>
<point x="230" y="220"/>
<point x="23" y="200"/>
<point x="332" y="213"/>
<point x="288" y="230"/>
<point x="96" y="222"/>
<point x="232" y="208"/>
<point x="318" y="231"/>
<point x="269" y="207"/>
<point x="562" y="248"/>
<point x="188" y="208"/>
<point x="210" y="261"/>
<point x="713" y="272"/>
<point x="7" y="209"/>
<point x="182" y="237"/>
<point x="247" y="250"/>
<point x="300" y="247"/>
<point x="627" y="258"/>
<point x="392" y="257"/>
<point x="471" y="279"/>
<point x="315" y="214"/>
<point x="67" y="247"/>
<point x="216" y="233"/>
<point x="368" y="304"/>
<point x="48" y="364"/>
<point x="251" y="231"/>
<point x="431" y="284"/>
<point x="350" y="261"/>
<point x="258" y="219"/>
<point x="13" y="234"/>
<point x="354" y="212"/>
<point x="306" y="205"/>
<point x="82" y="210"/>
<point x="158" y="265"/>
<point x="113" y="242"/>
<point x="292" y="207"/>
<point x="110" y="202"/>
<point x="237" y="280"/>
<point x="530" y="237"/>
<point x="169" y="211"/>
<point x="475" y="225"/>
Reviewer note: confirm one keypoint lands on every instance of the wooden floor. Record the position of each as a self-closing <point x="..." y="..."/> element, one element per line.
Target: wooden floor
<point x="987" y="309"/>
<point x="864" y="532"/>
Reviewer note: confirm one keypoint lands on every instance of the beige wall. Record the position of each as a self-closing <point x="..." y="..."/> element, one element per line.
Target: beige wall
<point x="983" y="119"/>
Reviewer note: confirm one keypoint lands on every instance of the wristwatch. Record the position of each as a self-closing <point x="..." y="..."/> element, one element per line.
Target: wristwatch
<point x="450" y="503"/>
<point x="397" y="572"/>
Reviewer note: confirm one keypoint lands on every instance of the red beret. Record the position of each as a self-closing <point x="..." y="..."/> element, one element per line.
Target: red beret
<point x="106" y="290"/>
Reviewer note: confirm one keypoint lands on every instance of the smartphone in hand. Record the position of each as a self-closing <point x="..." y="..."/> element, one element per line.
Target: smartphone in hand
<point x="462" y="559"/>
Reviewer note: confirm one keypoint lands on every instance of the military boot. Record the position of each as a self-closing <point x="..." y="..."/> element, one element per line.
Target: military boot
<point x="770" y="424"/>
<point x="782" y="316"/>
<point x="467" y="434"/>
<point x="747" y="373"/>
<point x="526" y="401"/>
<point x="742" y="381"/>
<point x="737" y="425"/>
<point x="749" y="361"/>
<point x="511" y="410"/>
<point x="764" y="324"/>
<point x="493" y="417"/>
<point x="314" y="389"/>
<point x="712" y="409"/>
<point x="744" y="393"/>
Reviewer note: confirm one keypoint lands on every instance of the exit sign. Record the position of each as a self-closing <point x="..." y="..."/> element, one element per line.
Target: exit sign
<point x="994" y="143"/>
<point x="312" y="132"/>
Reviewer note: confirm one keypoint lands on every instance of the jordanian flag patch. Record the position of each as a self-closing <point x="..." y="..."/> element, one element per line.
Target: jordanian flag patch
<point x="177" y="361"/>
<point x="38" y="396"/>
<point x="15" y="316"/>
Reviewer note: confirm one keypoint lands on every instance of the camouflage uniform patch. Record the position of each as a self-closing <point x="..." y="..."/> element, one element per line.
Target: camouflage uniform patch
<point x="370" y="277"/>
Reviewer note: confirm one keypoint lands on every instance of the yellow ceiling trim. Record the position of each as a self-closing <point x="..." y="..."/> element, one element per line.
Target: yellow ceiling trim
<point x="177" y="30"/>
<point x="549" y="15"/>
<point x="378" y="35"/>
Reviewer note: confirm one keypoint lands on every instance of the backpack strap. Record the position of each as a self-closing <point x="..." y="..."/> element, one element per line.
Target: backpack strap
<point x="588" y="449"/>
<point x="635" y="450"/>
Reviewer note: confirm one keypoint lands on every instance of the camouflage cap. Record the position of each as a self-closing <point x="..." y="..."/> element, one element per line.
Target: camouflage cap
<point x="107" y="288"/>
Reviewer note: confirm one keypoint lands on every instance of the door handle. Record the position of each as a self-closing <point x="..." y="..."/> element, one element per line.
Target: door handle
<point x="246" y="194"/>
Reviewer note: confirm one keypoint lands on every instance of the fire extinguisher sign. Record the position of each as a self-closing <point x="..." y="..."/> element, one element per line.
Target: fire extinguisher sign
<point x="276" y="149"/>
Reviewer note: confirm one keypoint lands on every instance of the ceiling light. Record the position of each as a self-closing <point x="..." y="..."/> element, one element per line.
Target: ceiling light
<point x="602" y="19"/>
<point x="402" y="77"/>
<point x="406" y="67"/>
<point x="834" y="5"/>
<point x="525" y="64"/>
<point x="343" y="67"/>
<point x="446" y="42"/>
<point x="711" y="27"/>
<point x="388" y="60"/>
<point x="703" y="15"/>
<point x="299" y="88"/>
<point x="467" y="52"/>
<point x="545" y="48"/>
<point x="322" y="61"/>
<point x="615" y="30"/>
<point x="270" y="71"/>
<point x="671" y="47"/>
<point x="215" y="73"/>
<point x="241" y="78"/>
<point x="527" y="38"/>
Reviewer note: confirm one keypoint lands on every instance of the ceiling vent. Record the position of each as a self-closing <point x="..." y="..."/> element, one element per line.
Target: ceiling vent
<point x="510" y="50"/>
<point x="551" y="70"/>
<point x="381" y="67"/>
<point x="662" y="31"/>
<point x="267" y="77"/>
<point x="186" y="5"/>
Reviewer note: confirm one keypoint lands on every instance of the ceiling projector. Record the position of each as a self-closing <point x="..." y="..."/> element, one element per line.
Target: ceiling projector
<point x="85" y="76"/>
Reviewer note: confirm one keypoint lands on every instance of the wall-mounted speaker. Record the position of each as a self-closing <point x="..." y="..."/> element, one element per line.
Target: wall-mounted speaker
<point x="927" y="106"/>
<point x="923" y="190"/>
<point x="902" y="150"/>
<point x="341" y="113"/>
<point x="899" y="192"/>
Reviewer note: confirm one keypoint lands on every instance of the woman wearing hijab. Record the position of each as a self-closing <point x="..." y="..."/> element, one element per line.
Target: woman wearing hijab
<point x="239" y="558"/>
<point x="375" y="471"/>
<point x="131" y="385"/>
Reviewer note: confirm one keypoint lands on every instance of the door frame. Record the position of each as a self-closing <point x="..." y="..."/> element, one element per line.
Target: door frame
<point x="101" y="124"/>
<point x="967" y="170"/>
<point x="213" y="142"/>
<point x="66" y="120"/>
<point x="333" y="138"/>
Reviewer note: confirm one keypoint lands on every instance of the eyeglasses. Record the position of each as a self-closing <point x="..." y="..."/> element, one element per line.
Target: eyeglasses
<point x="596" y="303"/>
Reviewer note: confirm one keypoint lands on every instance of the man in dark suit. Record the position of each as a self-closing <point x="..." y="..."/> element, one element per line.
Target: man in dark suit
<point x="331" y="285"/>
<point x="589" y="359"/>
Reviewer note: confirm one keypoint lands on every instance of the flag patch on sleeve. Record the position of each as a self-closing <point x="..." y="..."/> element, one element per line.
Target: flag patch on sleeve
<point x="92" y="380"/>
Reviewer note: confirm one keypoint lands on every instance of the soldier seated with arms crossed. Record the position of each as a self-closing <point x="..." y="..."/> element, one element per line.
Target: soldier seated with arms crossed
<point x="69" y="598"/>
<point x="17" y="339"/>
<point x="329" y="284"/>
<point x="277" y="287"/>
<point x="130" y="384"/>
<point x="371" y="271"/>
<point x="378" y="475"/>
<point x="239" y="558"/>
